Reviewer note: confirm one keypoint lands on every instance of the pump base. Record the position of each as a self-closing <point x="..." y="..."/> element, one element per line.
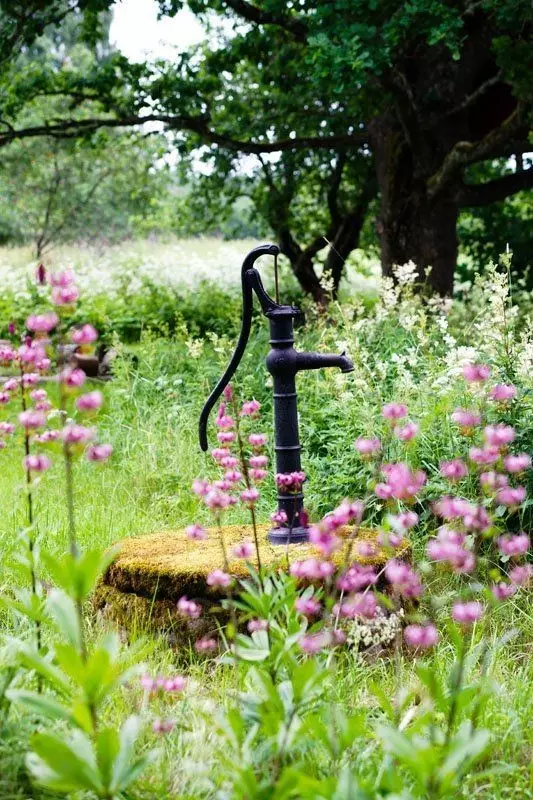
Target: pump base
<point x="288" y="535"/>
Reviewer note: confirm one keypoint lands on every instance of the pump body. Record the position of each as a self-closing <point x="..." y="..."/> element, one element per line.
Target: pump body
<point x="283" y="362"/>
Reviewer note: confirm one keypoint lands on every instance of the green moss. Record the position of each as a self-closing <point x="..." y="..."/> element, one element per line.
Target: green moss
<point x="168" y="564"/>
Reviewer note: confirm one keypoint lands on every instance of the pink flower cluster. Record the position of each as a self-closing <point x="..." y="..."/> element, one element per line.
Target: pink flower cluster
<point x="162" y="685"/>
<point x="290" y="482"/>
<point x="401" y="483"/>
<point x="323" y="535"/>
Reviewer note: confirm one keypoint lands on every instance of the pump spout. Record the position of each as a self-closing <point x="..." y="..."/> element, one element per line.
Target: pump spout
<point x="305" y="361"/>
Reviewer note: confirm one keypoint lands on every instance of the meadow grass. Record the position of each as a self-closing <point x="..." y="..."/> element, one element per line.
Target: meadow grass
<point x="151" y="413"/>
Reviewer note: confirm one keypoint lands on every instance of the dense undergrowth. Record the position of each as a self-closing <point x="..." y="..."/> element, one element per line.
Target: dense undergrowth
<point x="367" y="726"/>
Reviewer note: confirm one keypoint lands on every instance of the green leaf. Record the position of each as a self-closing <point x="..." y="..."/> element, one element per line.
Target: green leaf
<point x="63" y="610"/>
<point x="40" y="704"/>
<point x="64" y="765"/>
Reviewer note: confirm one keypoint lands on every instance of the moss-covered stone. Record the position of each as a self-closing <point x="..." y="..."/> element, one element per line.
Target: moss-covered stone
<point x="169" y="565"/>
<point x="151" y="573"/>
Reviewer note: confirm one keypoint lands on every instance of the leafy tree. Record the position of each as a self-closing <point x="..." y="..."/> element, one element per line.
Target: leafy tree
<point x="423" y="90"/>
<point x="55" y="191"/>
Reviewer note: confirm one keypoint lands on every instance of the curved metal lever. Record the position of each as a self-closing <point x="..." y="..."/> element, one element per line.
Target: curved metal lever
<point x="250" y="280"/>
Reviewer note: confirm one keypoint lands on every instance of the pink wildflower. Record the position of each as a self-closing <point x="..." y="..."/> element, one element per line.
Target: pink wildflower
<point x="196" y="532"/>
<point x="493" y="480"/>
<point x="403" y="579"/>
<point x="502" y="590"/>
<point x="363" y="604"/>
<point x="404" y="520"/>
<point x="30" y="379"/>
<point x="84" y="335"/>
<point x="421" y="636"/>
<point x="312" y="569"/>
<point x="37" y="463"/>
<point x="466" y="418"/>
<point x="42" y="323"/>
<point x="308" y="606"/>
<point x="499" y="435"/>
<point x="394" y="410"/>
<point x="477" y="518"/>
<point x="233" y="475"/>
<point x="513" y="545"/>
<point x="449" y="546"/>
<point x="243" y="550"/>
<point x="521" y="575"/>
<point x="290" y="481"/>
<point x="219" y="578"/>
<point x="257" y="475"/>
<point x="406" y="432"/>
<point x="509" y="496"/>
<point x="250" y="496"/>
<point x="219" y="453"/>
<point x="32" y="419"/>
<point x="257" y="440"/>
<point x="63" y="278"/>
<point x="501" y="393"/>
<point x="73" y="378"/>
<point x="367" y="447"/>
<point x="77" y="434"/>
<point x="226" y="437"/>
<point x="467" y="613"/>
<point x="366" y="549"/>
<point x="250" y="408"/>
<point x="99" y="452"/>
<point x="11" y="385"/>
<point x="518" y="463"/>
<point x="357" y="577"/>
<point x="255" y="625"/>
<point x="205" y="645"/>
<point x="279" y="518"/>
<point x="90" y="401"/>
<point x="451" y="507"/>
<point x="6" y="428"/>
<point x="48" y="436"/>
<point x="324" y="540"/>
<point x="30" y="353"/>
<point x="258" y="461"/>
<point x="313" y="643"/>
<point x="188" y="608"/>
<point x="162" y="726"/>
<point x="229" y="462"/>
<point x="65" y="295"/>
<point x="200" y="487"/>
<point x="476" y="373"/>
<point x="7" y="354"/>
<point x="453" y="470"/>
<point x="217" y="500"/>
<point x="484" y="455"/>
<point x="401" y="484"/>
<point x="5" y="397"/>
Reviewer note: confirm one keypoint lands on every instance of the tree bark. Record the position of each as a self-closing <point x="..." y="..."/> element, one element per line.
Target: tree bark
<point x="302" y="265"/>
<point x="411" y="227"/>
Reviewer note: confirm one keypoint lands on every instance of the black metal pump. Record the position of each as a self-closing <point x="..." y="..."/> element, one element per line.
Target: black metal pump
<point x="283" y="362"/>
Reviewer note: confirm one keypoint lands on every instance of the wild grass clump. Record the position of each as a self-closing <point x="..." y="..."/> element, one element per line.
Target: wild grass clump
<point x="329" y="677"/>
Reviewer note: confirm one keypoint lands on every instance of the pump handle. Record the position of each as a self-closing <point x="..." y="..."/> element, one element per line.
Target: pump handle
<point x="250" y="280"/>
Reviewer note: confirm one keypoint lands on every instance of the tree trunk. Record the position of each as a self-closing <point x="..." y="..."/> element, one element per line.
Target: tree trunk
<point x="410" y="226"/>
<point x="302" y="266"/>
<point x="424" y="233"/>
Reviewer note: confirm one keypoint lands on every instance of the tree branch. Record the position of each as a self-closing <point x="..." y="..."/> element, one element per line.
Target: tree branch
<point x="464" y="153"/>
<point x="479" y="92"/>
<point x="483" y="194"/>
<point x="200" y="125"/>
<point x="296" y="27"/>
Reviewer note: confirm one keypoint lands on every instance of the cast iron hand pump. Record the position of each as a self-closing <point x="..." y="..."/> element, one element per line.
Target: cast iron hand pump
<point x="283" y="362"/>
